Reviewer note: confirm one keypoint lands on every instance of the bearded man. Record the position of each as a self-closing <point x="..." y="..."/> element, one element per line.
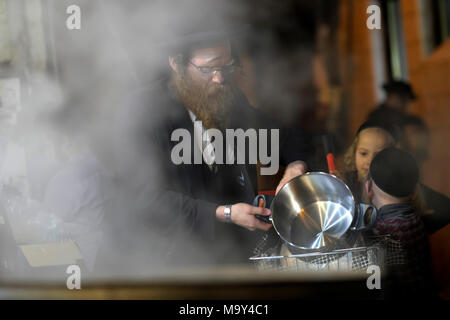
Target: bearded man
<point x="194" y="213"/>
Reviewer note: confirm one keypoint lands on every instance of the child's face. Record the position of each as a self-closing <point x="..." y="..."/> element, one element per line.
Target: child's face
<point x="370" y="142"/>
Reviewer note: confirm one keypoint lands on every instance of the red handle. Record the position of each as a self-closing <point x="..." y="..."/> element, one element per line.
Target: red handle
<point x="267" y="192"/>
<point x="261" y="203"/>
<point x="331" y="165"/>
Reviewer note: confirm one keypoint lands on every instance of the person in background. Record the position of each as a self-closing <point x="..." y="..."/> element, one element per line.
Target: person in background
<point x="391" y="186"/>
<point x="53" y="188"/>
<point x="416" y="140"/>
<point x="13" y="171"/>
<point x="73" y="195"/>
<point x="392" y="112"/>
<point x="370" y="139"/>
<point x="77" y="195"/>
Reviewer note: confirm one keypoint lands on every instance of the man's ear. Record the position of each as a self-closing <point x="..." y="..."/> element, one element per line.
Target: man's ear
<point x="173" y="64"/>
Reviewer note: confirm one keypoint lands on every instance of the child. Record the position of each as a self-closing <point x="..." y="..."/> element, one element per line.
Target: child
<point x="391" y="186"/>
<point x="370" y="139"/>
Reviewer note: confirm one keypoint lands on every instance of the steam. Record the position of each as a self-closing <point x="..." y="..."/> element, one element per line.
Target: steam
<point x="70" y="108"/>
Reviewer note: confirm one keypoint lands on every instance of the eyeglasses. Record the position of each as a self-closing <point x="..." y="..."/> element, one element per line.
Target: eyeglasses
<point x="209" y="71"/>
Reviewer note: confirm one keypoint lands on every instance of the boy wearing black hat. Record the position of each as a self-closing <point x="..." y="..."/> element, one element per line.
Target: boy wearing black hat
<point x="391" y="186"/>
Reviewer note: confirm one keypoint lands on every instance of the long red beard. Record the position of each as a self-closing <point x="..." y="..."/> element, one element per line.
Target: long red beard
<point x="210" y="102"/>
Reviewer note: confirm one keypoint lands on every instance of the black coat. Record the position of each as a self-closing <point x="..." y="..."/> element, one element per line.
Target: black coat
<point x="439" y="205"/>
<point x="174" y="205"/>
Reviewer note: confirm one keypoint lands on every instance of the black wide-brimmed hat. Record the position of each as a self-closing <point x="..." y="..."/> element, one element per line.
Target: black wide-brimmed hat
<point x="198" y="26"/>
<point x="400" y="87"/>
<point x="395" y="172"/>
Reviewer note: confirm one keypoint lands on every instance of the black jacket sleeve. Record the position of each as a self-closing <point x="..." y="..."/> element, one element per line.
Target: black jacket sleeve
<point x="142" y="158"/>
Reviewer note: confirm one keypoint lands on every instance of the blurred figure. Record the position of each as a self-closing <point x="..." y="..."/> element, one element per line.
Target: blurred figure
<point x="53" y="184"/>
<point x="392" y="111"/>
<point x="391" y="187"/>
<point x="416" y="140"/>
<point x="13" y="171"/>
<point x="78" y="195"/>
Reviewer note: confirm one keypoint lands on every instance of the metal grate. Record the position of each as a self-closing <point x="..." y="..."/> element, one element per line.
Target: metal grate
<point x="382" y="251"/>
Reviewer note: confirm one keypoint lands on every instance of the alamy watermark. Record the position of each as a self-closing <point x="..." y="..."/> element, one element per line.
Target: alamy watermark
<point x="374" y="19"/>
<point x="73" y="21"/>
<point x="214" y="140"/>
<point x="374" y="280"/>
<point x="74" y="278"/>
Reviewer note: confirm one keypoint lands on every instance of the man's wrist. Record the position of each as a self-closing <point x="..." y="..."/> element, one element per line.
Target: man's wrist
<point x="227" y="213"/>
<point x="220" y="213"/>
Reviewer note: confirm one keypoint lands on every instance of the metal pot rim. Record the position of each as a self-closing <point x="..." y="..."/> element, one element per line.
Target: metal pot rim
<point x="352" y="209"/>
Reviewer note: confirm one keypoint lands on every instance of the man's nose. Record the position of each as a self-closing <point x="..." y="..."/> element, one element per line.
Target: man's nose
<point x="218" y="77"/>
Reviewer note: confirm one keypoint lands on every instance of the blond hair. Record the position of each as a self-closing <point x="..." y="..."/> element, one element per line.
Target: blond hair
<point x="349" y="162"/>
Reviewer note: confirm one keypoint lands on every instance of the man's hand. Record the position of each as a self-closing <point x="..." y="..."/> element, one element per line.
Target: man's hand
<point x="294" y="169"/>
<point x="243" y="215"/>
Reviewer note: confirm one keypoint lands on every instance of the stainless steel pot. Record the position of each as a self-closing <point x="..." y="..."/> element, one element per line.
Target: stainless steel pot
<point x="317" y="211"/>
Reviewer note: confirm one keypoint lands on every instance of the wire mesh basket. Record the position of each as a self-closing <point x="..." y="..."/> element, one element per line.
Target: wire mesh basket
<point x="382" y="251"/>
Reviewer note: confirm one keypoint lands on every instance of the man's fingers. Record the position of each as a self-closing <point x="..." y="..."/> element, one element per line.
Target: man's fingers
<point x="278" y="189"/>
<point x="260" y="211"/>
<point x="245" y="217"/>
<point x="280" y="185"/>
<point x="293" y="170"/>
<point x="262" y="225"/>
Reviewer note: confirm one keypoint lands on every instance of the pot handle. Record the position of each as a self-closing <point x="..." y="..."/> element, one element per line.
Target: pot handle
<point x="328" y="146"/>
<point x="260" y="201"/>
<point x="367" y="215"/>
